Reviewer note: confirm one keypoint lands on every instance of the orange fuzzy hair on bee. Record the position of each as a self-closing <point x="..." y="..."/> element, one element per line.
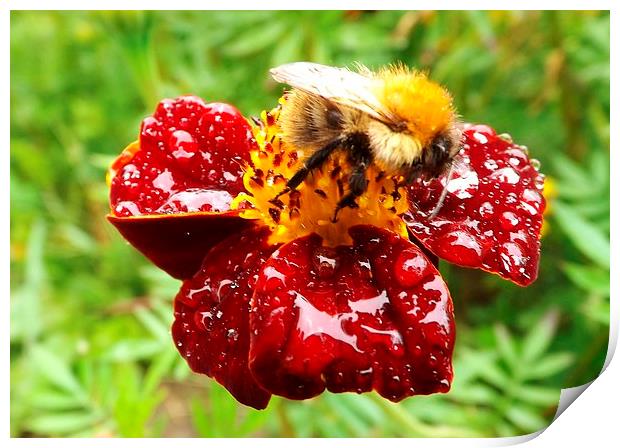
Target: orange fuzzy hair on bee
<point x="424" y="105"/>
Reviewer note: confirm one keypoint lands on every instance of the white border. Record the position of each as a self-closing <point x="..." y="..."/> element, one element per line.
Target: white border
<point x="593" y="416"/>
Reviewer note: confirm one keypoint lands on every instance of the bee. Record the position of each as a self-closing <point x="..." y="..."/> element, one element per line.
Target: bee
<point x="395" y="118"/>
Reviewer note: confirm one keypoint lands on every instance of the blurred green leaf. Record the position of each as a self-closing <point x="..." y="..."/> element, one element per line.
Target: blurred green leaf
<point x="526" y="419"/>
<point x="132" y="349"/>
<point x="550" y="365"/>
<point x="583" y="234"/>
<point x="507" y="347"/>
<point x="249" y="42"/>
<point x="590" y="278"/>
<point x="57" y="401"/>
<point x="56" y="371"/>
<point x="538" y="395"/>
<point x="537" y="340"/>
<point x="64" y="423"/>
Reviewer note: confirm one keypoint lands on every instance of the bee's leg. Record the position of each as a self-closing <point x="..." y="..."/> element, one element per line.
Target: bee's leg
<point x="357" y="186"/>
<point x="317" y="159"/>
<point x="360" y="158"/>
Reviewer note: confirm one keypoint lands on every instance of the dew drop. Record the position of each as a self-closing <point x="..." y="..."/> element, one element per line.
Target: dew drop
<point x="164" y="181"/>
<point x="486" y="210"/>
<point x="512" y="258"/>
<point x="464" y="187"/>
<point x="410" y="267"/>
<point x="362" y="268"/>
<point x="532" y="201"/>
<point x="490" y="165"/>
<point x="535" y="164"/>
<point x="460" y="247"/>
<point x="506" y="175"/>
<point x="325" y="262"/>
<point x="274" y="279"/>
<point x="514" y="162"/>
<point x="232" y="334"/>
<point x="539" y="183"/>
<point x="506" y="137"/>
<point x="511" y="198"/>
<point x="508" y="220"/>
<point x="182" y="145"/>
<point x="481" y="137"/>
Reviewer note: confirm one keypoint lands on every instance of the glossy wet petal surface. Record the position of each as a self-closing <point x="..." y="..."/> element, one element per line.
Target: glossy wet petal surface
<point x="492" y="214"/>
<point x="190" y="159"/>
<point x="170" y="192"/>
<point x="375" y="315"/>
<point x="178" y="243"/>
<point x="211" y="327"/>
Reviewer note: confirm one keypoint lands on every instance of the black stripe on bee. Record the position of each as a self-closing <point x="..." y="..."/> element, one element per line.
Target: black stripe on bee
<point x="321" y="193"/>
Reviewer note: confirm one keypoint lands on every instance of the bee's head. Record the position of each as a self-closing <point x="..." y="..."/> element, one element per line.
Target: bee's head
<point x="424" y="106"/>
<point x="440" y="152"/>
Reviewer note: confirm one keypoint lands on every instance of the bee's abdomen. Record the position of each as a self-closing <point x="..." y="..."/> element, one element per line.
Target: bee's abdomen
<point x="309" y="121"/>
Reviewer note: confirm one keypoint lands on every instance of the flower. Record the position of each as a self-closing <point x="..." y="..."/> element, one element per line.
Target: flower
<point x="277" y="299"/>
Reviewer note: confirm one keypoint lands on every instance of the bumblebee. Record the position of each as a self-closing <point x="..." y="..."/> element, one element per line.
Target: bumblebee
<point x="395" y="118"/>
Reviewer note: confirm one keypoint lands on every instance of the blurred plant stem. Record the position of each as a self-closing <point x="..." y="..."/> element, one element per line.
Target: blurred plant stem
<point x="412" y="426"/>
<point x="133" y="32"/>
<point x="571" y="103"/>
<point x="286" y="426"/>
<point x="580" y="373"/>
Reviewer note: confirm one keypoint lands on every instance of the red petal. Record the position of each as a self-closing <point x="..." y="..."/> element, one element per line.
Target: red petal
<point x="492" y="215"/>
<point x="170" y="193"/>
<point x="178" y="243"/>
<point x="375" y="315"/>
<point x="211" y="327"/>
<point x="190" y="158"/>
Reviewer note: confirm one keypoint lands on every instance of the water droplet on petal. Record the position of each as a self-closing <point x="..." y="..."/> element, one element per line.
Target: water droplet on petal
<point x="539" y="183"/>
<point x="410" y="267"/>
<point x="506" y="137"/>
<point x="532" y="201"/>
<point x="274" y="279"/>
<point x="481" y="137"/>
<point x="460" y="247"/>
<point x="182" y="145"/>
<point x="363" y="268"/>
<point x="164" y="181"/>
<point x="511" y="256"/>
<point x="486" y="210"/>
<point x="490" y="164"/>
<point x="506" y="175"/>
<point x="325" y="261"/>
<point x="464" y="187"/>
<point x="508" y="220"/>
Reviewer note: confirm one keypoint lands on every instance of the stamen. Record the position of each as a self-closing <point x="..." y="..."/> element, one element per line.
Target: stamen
<point x="298" y="212"/>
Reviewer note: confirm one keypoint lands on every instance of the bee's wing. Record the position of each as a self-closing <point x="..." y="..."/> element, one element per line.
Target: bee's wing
<point x="339" y="85"/>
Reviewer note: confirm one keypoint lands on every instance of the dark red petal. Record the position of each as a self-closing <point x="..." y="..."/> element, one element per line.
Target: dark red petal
<point x="211" y="327"/>
<point x="375" y="315"/>
<point x="178" y="243"/>
<point x="492" y="215"/>
<point x="187" y="164"/>
<point x="190" y="158"/>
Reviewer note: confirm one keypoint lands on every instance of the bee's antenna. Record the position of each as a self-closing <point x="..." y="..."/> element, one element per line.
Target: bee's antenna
<point x="444" y="193"/>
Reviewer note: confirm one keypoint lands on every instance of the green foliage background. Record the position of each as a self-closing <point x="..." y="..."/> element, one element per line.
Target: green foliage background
<point x="91" y="353"/>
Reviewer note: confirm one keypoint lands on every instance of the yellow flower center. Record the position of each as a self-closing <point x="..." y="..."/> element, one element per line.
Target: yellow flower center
<point x="310" y="208"/>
